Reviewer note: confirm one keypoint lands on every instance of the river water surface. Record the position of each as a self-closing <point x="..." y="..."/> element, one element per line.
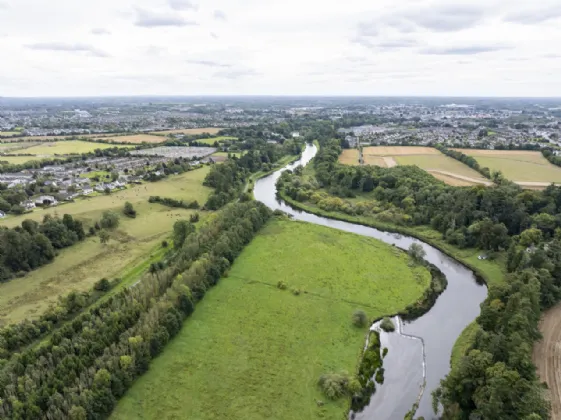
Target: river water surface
<point x="419" y="351"/>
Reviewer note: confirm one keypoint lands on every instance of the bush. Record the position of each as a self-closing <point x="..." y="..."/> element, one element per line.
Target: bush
<point x="335" y="385"/>
<point x="103" y="285"/>
<point x="129" y="211"/>
<point x="360" y="319"/>
<point x="385" y="352"/>
<point x="109" y="220"/>
<point x="380" y="376"/>
<point x="194" y="218"/>
<point x="282" y="285"/>
<point x="387" y="325"/>
<point x="296" y="292"/>
<point x="417" y="252"/>
<point x="165" y="244"/>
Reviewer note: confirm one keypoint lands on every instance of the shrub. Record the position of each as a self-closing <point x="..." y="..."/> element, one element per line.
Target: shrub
<point x="360" y="319"/>
<point x="129" y="211"/>
<point x="109" y="220"/>
<point x="380" y="376"/>
<point x="385" y="352"/>
<point x="282" y="285"/>
<point x="102" y="285"/>
<point x="334" y="385"/>
<point x="416" y="252"/>
<point x="387" y="325"/>
<point x="194" y="218"/>
<point x="165" y="244"/>
<point x="296" y="292"/>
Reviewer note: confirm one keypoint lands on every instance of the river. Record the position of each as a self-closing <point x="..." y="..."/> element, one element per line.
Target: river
<point x="420" y="350"/>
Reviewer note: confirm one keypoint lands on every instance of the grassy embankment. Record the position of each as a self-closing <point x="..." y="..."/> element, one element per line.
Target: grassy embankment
<point x="254" y="351"/>
<point x="133" y="245"/>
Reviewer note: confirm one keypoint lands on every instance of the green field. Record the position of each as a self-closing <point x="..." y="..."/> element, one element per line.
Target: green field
<point x="253" y="351"/>
<point x="18" y="160"/>
<point x="81" y="265"/>
<point x="66" y="148"/>
<point x="9" y="133"/>
<point x="213" y="140"/>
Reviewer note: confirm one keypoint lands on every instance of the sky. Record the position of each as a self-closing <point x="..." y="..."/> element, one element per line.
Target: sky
<point x="280" y="47"/>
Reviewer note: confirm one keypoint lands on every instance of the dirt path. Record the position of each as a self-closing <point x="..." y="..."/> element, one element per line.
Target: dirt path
<point x="389" y="161"/>
<point x="462" y="177"/>
<point x="547" y="357"/>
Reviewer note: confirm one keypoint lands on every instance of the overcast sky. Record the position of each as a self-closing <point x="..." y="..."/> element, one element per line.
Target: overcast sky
<point x="287" y="47"/>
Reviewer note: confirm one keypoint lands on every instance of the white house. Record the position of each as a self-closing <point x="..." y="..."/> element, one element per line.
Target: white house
<point x="87" y="191"/>
<point x="46" y="200"/>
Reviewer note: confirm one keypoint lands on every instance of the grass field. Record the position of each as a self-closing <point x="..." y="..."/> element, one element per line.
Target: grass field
<point x="209" y="130"/>
<point x="17" y="160"/>
<point x="9" y="133"/>
<point x="517" y="165"/>
<point x="81" y="265"/>
<point x="213" y="140"/>
<point x="64" y="148"/>
<point x="349" y="157"/>
<point x="135" y="139"/>
<point x="429" y="159"/>
<point x="253" y="351"/>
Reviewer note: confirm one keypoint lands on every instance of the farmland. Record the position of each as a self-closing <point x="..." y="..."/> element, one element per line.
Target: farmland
<point x="349" y="157"/>
<point x="431" y="160"/>
<point x="192" y="131"/>
<point x="62" y="148"/>
<point x="81" y="265"/>
<point x="254" y="351"/>
<point x="9" y="133"/>
<point x="213" y="140"/>
<point x="526" y="168"/>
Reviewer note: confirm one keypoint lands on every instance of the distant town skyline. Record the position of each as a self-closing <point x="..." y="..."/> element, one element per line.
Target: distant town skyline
<point x="493" y="48"/>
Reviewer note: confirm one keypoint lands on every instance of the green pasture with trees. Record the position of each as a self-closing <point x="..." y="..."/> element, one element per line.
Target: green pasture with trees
<point x="291" y="309"/>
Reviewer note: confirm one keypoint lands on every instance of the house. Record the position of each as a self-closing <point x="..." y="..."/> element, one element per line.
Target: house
<point x="27" y="204"/>
<point x="2" y="214"/>
<point x="46" y="200"/>
<point x="87" y="191"/>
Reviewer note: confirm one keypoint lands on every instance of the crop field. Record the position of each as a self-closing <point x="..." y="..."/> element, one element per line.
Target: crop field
<point x="526" y="168"/>
<point x="63" y="148"/>
<point x="254" y="351"/>
<point x="429" y="159"/>
<point x="81" y="265"/>
<point x="134" y="139"/>
<point x="349" y="157"/>
<point x="209" y="130"/>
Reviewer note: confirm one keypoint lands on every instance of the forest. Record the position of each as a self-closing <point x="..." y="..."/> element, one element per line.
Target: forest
<point x="496" y="378"/>
<point x="84" y="366"/>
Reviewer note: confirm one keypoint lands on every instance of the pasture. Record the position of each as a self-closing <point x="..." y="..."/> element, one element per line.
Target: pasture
<point x="526" y="168"/>
<point x="18" y="160"/>
<point x="9" y="133"/>
<point x="72" y="147"/>
<point x="442" y="167"/>
<point x="349" y="157"/>
<point x="254" y="351"/>
<point x="81" y="265"/>
<point x="218" y="139"/>
<point x="192" y="131"/>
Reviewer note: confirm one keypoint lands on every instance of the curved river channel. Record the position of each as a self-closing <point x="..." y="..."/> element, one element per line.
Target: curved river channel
<point x="419" y="351"/>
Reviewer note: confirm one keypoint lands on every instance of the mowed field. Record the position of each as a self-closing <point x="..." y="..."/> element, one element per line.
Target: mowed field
<point x="134" y="139"/>
<point x="526" y="168"/>
<point x="62" y="148"/>
<point x="349" y="157"/>
<point x="193" y="131"/>
<point x="213" y="140"/>
<point x="431" y="160"/>
<point x="253" y="351"/>
<point x="81" y="265"/>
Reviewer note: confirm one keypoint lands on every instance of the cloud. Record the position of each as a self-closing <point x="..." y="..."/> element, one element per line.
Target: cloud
<point x="60" y="46"/>
<point x="213" y="35"/>
<point x="3" y="5"/>
<point x="532" y="16"/>
<point x="146" y="19"/>
<point x="551" y="56"/>
<point x="465" y="50"/>
<point x="209" y="63"/>
<point x="388" y="44"/>
<point x="183" y="5"/>
<point x="447" y="18"/>
<point x="100" y="31"/>
<point x="219" y="15"/>
<point x="236" y="74"/>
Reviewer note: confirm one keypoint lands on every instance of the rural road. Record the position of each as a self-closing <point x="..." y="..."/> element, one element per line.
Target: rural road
<point x="462" y="177"/>
<point x="547" y="354"/>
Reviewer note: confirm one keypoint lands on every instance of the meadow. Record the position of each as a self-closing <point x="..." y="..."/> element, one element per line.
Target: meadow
<point x="521" y="166"/>
<point x="70" y="147"/>
<point x="254" y="351"/>
<point x="349" y="157"/>
<point x="429" y="159"/>
<point x="213" y="140"/>
<point x="81" y="265"/>
<point x="134" y="139"/>
<point x="9" y="133"/>
<point x="192" y="131"/>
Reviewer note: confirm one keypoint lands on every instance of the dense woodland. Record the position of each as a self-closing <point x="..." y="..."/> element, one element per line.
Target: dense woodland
<point x="84" y="366"/>
<point x="496" y="379"/>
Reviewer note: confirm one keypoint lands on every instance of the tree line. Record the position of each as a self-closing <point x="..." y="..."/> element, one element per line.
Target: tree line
<point x="496" y="379"/>
<point x="87" y="364"/>
<point x="31" y="245"/>
<point x="170" y="202"/>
